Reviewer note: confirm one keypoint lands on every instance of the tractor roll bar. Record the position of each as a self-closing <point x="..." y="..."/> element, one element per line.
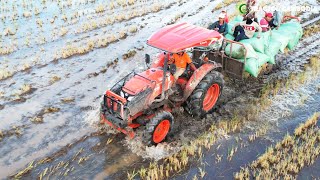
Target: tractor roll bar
<point x="164" y="78"/>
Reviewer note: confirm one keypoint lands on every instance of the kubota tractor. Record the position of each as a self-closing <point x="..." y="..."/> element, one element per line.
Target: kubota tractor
<point x="146" y="98"/>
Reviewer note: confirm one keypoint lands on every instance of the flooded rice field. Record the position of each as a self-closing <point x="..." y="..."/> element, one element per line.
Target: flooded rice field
<point x="57" y="58"/>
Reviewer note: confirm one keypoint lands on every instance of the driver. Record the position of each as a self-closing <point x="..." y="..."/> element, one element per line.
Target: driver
<point x="181" y="60"/>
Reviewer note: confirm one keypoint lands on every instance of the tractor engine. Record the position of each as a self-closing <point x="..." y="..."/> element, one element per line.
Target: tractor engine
<point x="134" y="94"/>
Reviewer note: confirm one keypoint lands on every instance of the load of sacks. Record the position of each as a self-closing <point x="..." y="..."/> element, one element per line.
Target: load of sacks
<point x="264" y="50"/>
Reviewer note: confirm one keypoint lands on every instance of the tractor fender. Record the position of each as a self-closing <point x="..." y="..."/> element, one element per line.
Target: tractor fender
<point x="197" y="76"/>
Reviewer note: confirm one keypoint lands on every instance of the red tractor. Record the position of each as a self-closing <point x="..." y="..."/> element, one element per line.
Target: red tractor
<point x="146" y="98"/>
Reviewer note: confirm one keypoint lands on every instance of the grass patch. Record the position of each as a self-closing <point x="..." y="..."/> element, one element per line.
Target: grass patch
<point x="68" y="100"/>
<point x="54" y="79"/>
<point x="224" y="4"/>
<point x="310" y="30"/>
<point x="5" y="74"/>
<point x="289" y="156"/>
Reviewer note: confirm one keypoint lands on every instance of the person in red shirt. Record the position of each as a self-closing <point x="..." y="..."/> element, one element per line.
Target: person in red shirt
<point x="267" y="22"/>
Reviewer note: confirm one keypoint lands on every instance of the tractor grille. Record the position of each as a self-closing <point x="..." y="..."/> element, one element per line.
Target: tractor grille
<point x="114" y="104"/>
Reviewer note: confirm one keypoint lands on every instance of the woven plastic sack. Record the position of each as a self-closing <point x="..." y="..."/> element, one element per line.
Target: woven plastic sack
<point x="238" y="51"/>
<point x="282" y="38"/>
<point x="257" y="44"/>
<point x="294" y="31"/>
<point x="229" y="36"/>
<point x="272" y="49"/>
<point x="238" y="18"/>
<point x="253" y="65"/>
<point x="230" y="26"/>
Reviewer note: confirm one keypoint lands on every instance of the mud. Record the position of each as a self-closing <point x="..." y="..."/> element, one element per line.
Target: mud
<point x="282" y="117"/>
<point x="71" y="143"/>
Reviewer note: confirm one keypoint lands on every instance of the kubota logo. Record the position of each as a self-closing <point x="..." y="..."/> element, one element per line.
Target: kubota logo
<point x="203" y="42"/>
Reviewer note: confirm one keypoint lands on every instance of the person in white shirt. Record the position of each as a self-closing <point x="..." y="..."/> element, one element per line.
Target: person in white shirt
<point x="246" y="29"/>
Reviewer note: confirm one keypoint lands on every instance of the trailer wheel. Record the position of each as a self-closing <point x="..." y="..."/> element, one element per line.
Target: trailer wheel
<point x="158" y="128"/>
<point x="205" y="96"/>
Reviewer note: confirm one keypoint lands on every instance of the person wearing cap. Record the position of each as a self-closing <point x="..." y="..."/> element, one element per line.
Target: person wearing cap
<point x="226" y="18"/>
<point x="221" y="26"/>
<point x="267" y="22"/>
<point x="224" y="11"/>
<point x="246" y="29"/>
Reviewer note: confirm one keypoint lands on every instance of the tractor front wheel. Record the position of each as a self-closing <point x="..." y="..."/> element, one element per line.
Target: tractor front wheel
<point x="158" y="128"/>
<point x="206" y="95"/>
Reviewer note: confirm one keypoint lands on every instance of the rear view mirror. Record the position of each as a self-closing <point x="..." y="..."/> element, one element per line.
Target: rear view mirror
<point x="147" y="60"/>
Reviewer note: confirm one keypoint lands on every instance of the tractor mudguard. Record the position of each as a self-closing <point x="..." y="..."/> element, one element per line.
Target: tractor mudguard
<point x="197" y="76"/>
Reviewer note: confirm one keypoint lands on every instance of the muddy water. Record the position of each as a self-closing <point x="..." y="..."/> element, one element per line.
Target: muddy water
<point x="61" y="135"/>
<point x="247" y="151"/>
<point x="71" y="136"/>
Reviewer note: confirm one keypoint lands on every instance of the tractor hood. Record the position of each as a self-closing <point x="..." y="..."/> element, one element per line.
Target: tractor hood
<point x="142" y="81"/>
<point x="178" y="37"/>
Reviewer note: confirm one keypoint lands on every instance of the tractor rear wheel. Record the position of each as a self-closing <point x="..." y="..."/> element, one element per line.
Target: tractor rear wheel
<point x="205" y="96"/>
<point x="158" y="128"/>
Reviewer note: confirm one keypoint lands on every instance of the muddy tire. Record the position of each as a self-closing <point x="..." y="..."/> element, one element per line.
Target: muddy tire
<point x="158" y="128"/>
<point x="205" y="96"/>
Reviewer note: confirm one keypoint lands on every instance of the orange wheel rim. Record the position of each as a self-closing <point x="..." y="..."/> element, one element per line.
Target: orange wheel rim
<point x="211" y="97"/>
<point x="161" y="131"/>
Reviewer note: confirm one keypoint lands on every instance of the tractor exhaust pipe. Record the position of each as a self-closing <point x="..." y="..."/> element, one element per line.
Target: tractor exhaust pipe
<point x="163" y="79"/>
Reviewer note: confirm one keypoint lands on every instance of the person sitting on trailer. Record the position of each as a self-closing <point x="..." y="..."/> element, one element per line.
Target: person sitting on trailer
<point x="246" y="29"/>
<point x="250" y="11"/>
<point x="226" y="18"/>
<point x="181" y="60"/>
<point x="267" y="23"/>
<point x="288" y="17"/>
<point x="221" y="26"/>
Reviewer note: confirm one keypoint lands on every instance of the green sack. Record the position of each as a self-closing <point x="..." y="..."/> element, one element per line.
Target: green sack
<point x="283" y="39"/>
<point x="293" y="30"/>
<point x="294" y="24"/>
<point x="253" y="65"/>
<point x="294" y="42"/>
<point x="272" y="49"/>
<point x="238" y="51"/>
<point x="257" y="44"/>
<point x="238" y="18"/>
<point x="293" y="33"/>
<point x="230" y="26"/>
<point x="228" y="36"/>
